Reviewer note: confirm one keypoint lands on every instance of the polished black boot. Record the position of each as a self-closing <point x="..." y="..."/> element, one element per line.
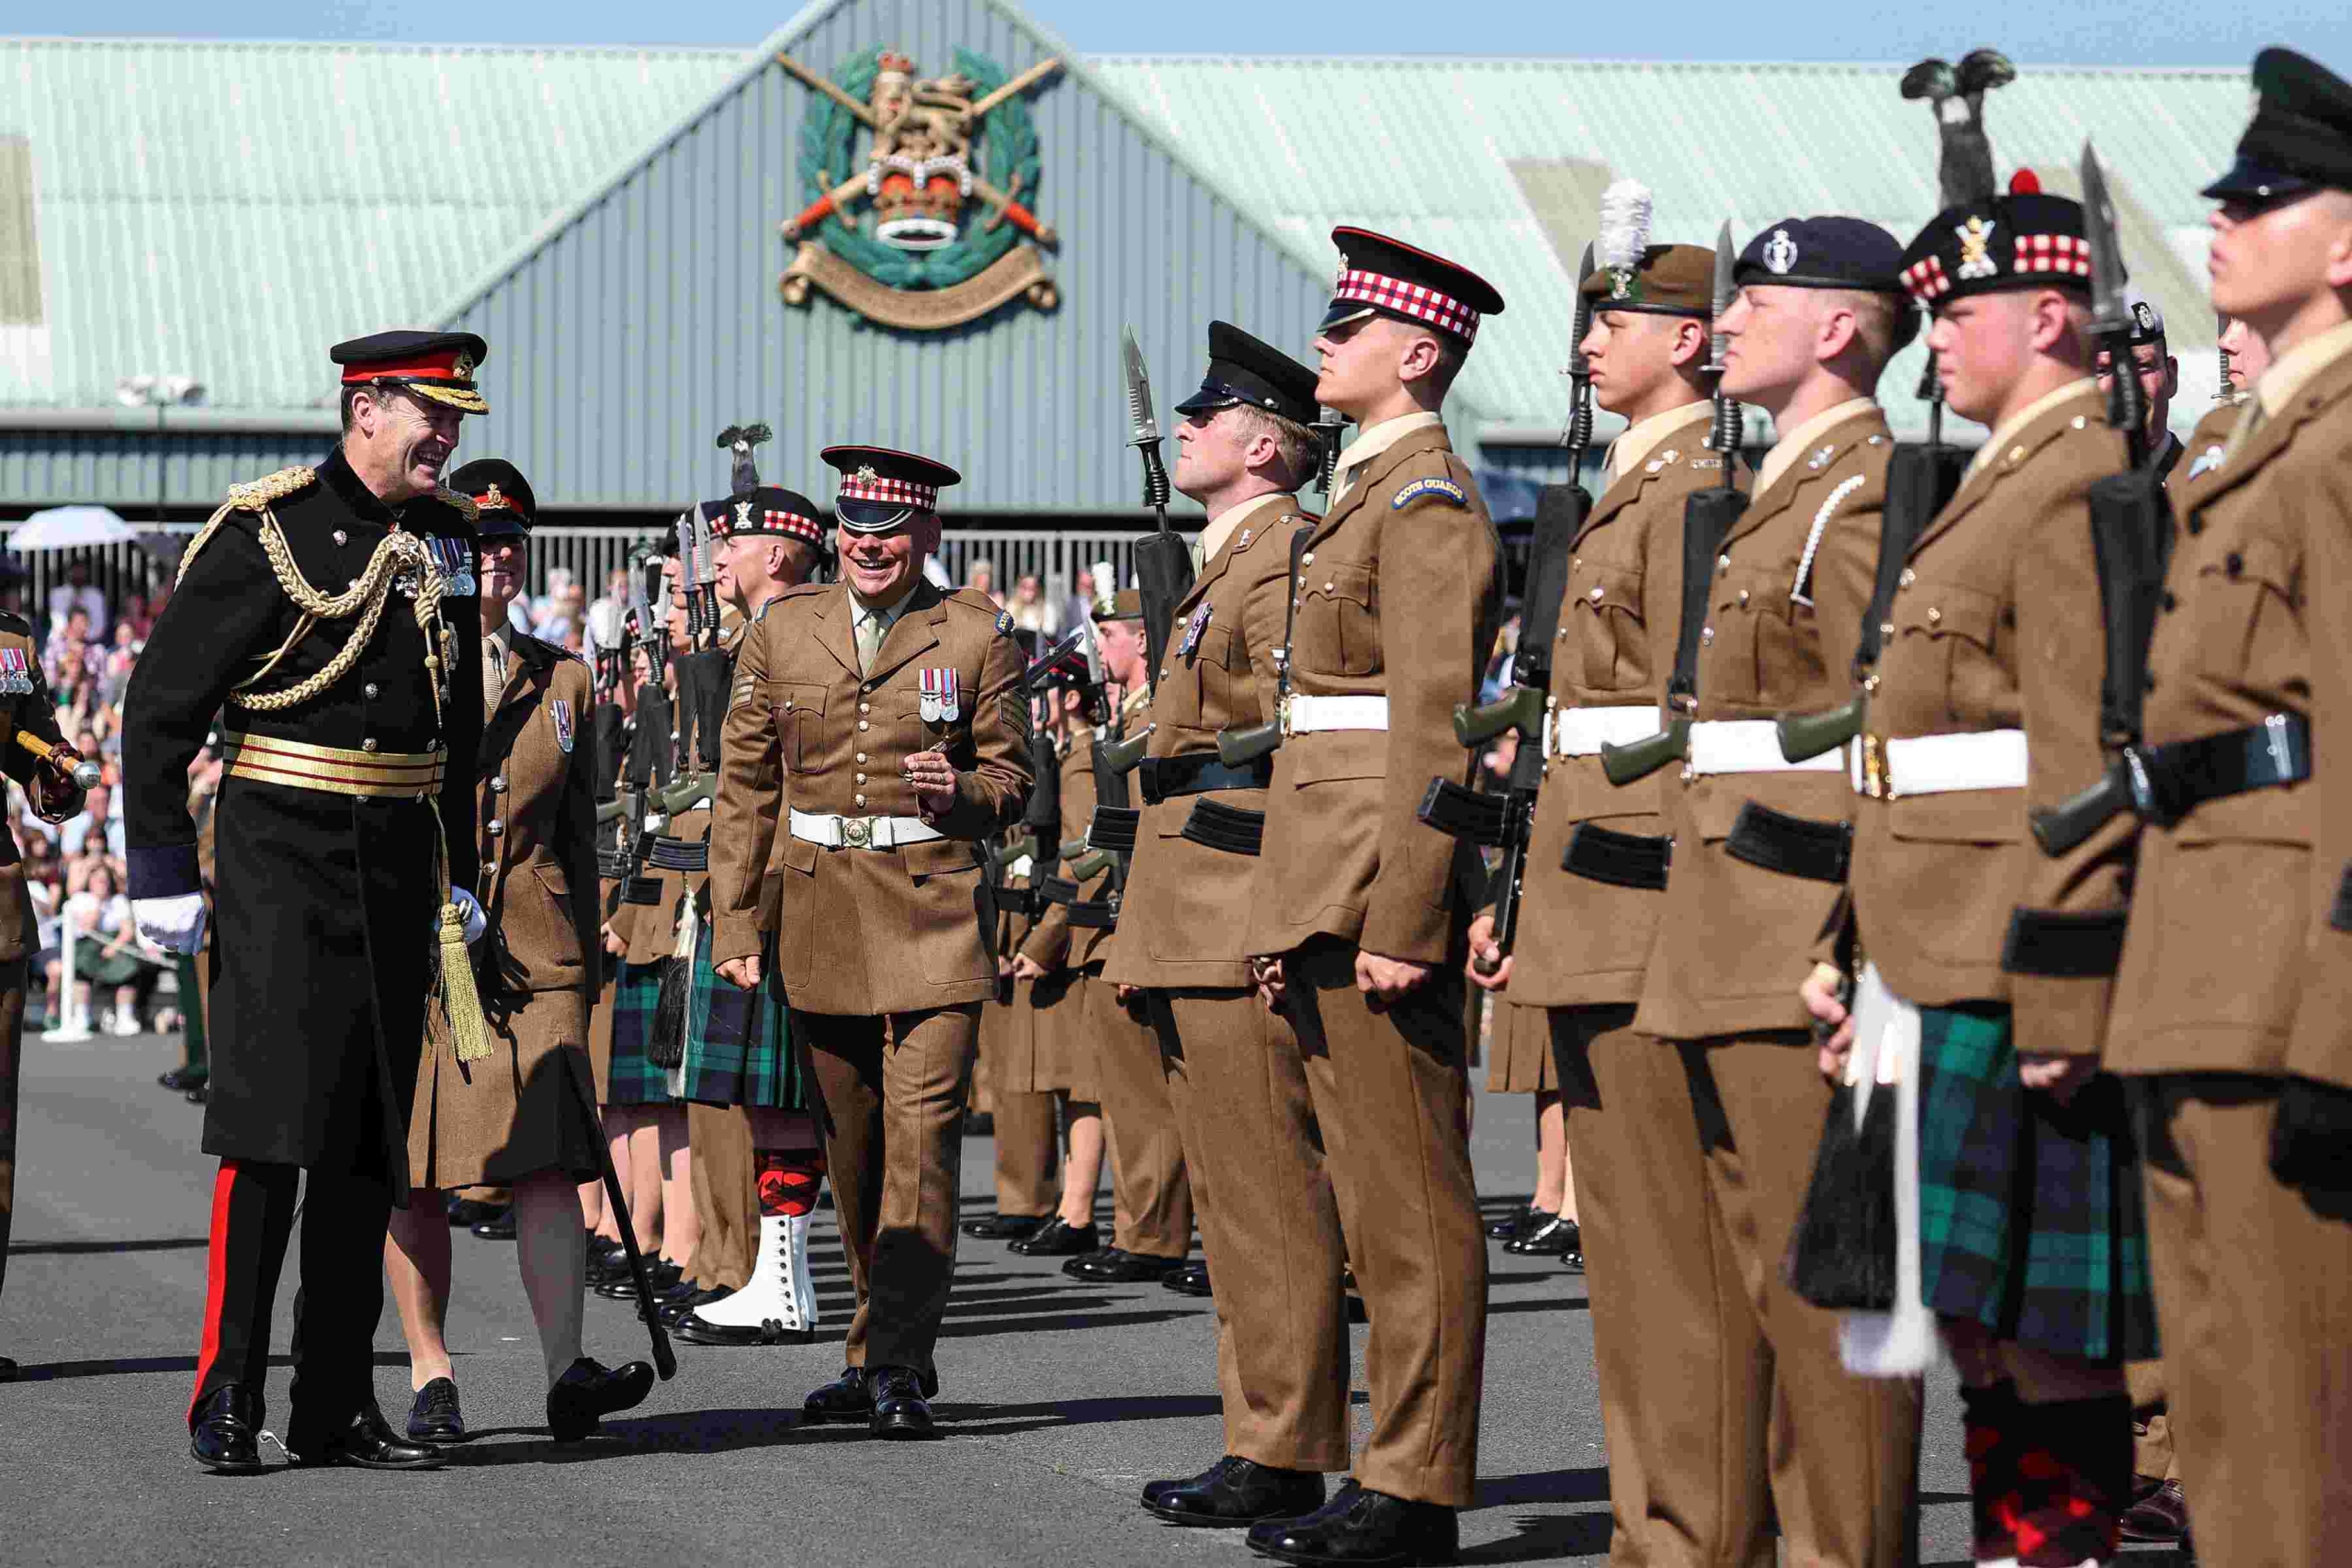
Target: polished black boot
<point x="1192" y="1280"/>
<point x="1512" y="1225"/>
<point x="1059" y="1238"/>
<point x="368" y="1442"/>
<point x="1235" y="1492"/>
<point x="1117" y="1266"/>
<point x="467" y="1212"/>
<point x="846" y="1398"/>
<point x="223" y="1432"/>
<point x="660" y="1275"/>
<point x="1551" y="1235"/>
<point x="1005" y="1228"/>
<point x="434" y="1417"/>
<point x="900" y="1408"/>
<point x="500" y="1226"/>
<point x="1362" y="1528"/>
<point x="588" y="1392"/>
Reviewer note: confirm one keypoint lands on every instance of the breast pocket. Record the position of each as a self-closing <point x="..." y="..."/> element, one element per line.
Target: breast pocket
<point x="2246" y="620"/>
<point x="1221" y="675"/>
<point x="1949" y="634"/>
<point x="563" y="955"/>
<point x="1339" y="621"/>
<point x="1607" y="614"/>
<point x="1752" y="637"/>
<point x="799" y="714"/>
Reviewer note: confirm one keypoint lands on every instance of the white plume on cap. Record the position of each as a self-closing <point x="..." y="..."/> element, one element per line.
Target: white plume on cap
<point x="1624" y="226"/>
<point x="1106" y="579"/>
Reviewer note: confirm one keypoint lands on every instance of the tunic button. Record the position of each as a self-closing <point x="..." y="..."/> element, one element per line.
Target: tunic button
<point x="1742" y="596"/>
<point x="1595" y="595"/>
<point x="341" y="538"/>
<point x="1328" y="587"/>
<point x="368" y="744"/>
<point x="1886" y="629"/>
<point x="1935" y="616"/>
<point x="860" y="756"/>
<point x="2234" y="565"/>
<point x="866" y="707"/>
<point x="369" y="688"/>
<point x="1907" y="579"/>
<point x="1723" y="563"/>
<point x="861" y="724"/>
<point x="861" y="800"/>
<point x="1707" y="635"/>
<point x="495" y="828"/>
<point x="867" y="687"/>
<point x="1308" y="559"/>
<point x="788" y="704"/>
<point x="498" y="786"/>
<point x="861" y="778"/>
<point x="2017" y="454"/>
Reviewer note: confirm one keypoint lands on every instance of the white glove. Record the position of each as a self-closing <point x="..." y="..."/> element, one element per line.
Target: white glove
<point x="476" y="921"/>
<point x="174" y="924"/>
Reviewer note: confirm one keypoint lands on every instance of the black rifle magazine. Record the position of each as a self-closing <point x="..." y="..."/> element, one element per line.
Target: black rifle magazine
<point x="1794" y="846"/>
<point x="641" y="890"/>
<point x="1113" y="828"/>
<point x="1094" y="914"/>
<point x="679" y="854"/>
<point x="1055" y="890"/>
<point x="1235" y="830"/>
<point x="2060" y="945"/>
<point x="1621" y="860"/>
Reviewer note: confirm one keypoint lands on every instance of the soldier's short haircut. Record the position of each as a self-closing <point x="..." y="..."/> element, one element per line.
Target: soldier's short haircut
<point x="1296" y="447"/>
<point x="1884" y="322"/>
<point x="377" y="389"/>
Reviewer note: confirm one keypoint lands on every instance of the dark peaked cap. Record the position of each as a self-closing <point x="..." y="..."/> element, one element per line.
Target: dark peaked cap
<point x="501" y="497"/>
<point x="1379" y="276"/>
<point x="2301" y="136"/>
<point x="1244" y="371"/>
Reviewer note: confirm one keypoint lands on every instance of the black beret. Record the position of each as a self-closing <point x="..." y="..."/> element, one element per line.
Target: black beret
<point x="2023" y="240"/>
<point x="1389" y="277"/>
<point x="2301" y="136"/>
<point x="1244" y="371"/>
<point x="770" y="510"/>
<point x="501" y="495"/>
<point x="439" y="366"/>
<point x="881" y="490"/>
<point x="1822" y="253"/>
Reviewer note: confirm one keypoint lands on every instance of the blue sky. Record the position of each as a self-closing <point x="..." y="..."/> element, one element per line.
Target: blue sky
<point x="2073" y="32"/>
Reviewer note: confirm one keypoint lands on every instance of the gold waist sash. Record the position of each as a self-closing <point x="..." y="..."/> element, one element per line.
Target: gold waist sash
<point x="383" y="776"/>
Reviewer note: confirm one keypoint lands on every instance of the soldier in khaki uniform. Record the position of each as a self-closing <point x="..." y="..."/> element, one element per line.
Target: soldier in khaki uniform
<point x="1025" y="1140"/>
<point x="1667" y="1323"/>
<point x="1233" y="1067"/>
<point x="1360" y="919"/>
<point x="2032" y="1246"/>
<point x="521" y="1115"/>
<point x="2231" y="1001"/>
<point x="49" y="787"/>
<point x="1759" y="863"/>
<point x="878" y="729"/>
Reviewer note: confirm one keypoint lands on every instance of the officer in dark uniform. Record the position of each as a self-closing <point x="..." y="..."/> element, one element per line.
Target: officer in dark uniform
<point x="327" y="614"/>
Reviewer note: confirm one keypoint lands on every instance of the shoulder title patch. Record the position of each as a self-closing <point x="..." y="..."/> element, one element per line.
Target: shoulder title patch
<point x="1420" y="488"/>
<point x="1004" y="622"/>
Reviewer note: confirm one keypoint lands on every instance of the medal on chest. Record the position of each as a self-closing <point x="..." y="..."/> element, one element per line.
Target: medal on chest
<point x="940" y="704"/>
<point x="16" y="672"/>
<point x="455" y="561"/>
<point x="560" y="709"/>
<point x="1192" y="630"/>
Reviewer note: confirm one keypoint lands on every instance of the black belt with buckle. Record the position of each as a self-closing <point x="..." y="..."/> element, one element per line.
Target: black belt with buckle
<point x="1794" y="846"/>
<point x="1236" y="829"/>
<point x="1113" y="828"/>
<point x="2170" y="781"/>
<point x="679" y="854"/>
<point x="1164" y="778"/>
<point x="1622" y="859"/>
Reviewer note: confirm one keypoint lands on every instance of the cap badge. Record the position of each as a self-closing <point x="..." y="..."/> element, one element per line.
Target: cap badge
<point x="1976" y="248"/>
<point x="463" y="367"/>
<point x="560" y="710"/>
<point x="492" y="500"/>
<point x="1340" y="277"/>
<point x="743" y="514"/>
<point x="1620" y="283"/>
<point x="1779" y="252"/>
<point x="867" y="475"/>
<point x="2146" y="315"/>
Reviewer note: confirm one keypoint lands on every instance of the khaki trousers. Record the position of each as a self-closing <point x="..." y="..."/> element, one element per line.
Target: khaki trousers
<point x="1842" y="1453"/>
<point x="1270" y="1225"/>
<point x="12" y="1056"/>
<point x="892" y="1104"/>
<point x="1670" y="1336"/>
<point x="1028" y="1153"/>
<point x="1388" y="1089"/>
<point x="1152" y="1194"/>
<point x="727" y="1196"/>
<point x="2254" y="1301"/>
<point x="2153" y="1458"/>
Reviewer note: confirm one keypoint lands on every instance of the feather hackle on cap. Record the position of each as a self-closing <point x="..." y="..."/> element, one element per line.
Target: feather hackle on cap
<point x="1625" y="208"/>
<point x="1106" y="579"/>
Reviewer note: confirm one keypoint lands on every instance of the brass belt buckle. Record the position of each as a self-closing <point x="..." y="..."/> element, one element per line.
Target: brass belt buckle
<point x="1874" y="778"/>
<point x="1281" y="715"/>
<point x="857" y="832"/>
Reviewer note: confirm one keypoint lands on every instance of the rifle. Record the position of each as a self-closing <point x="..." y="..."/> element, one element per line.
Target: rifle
<point x="2130" y="542"/>
<point x="1508" y="823"/>
<point x="1328" y="428"/>
<point x="1241" y="744"/>
<point x="1708" y="518"/>
<point x="1163" y="561"/>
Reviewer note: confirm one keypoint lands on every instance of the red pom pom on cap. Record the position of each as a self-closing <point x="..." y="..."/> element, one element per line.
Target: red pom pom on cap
<point x="2025" y="182"/>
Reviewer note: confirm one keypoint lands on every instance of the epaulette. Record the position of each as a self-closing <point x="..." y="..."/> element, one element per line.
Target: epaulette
<point x="797" y="591"/>
<point x="463" y="505"/>
<point x="255" y="495"/>
<point x="1243" y="540"/>
<point x="973" y="599"/>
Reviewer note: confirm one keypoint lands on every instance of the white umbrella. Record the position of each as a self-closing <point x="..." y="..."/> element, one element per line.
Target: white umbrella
<point x="70" y="527"/>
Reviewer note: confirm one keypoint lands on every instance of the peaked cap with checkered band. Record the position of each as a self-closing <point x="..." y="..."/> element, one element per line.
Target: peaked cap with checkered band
<point x="1379" y="276"/>
<point x="2023" y="240"/>
<point x="881" y="490"/>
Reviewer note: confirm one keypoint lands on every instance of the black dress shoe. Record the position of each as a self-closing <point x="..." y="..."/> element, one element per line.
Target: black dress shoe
<point x="500" y="1226"/>
<point x="1192" y="1280"/>
<point x="1236" y="1491"/>
<point x="606" y="1259"/>
<point x="1512" y="1225"/>
<point x="1059" y="1238"/>
<point x="179" y="1080"/>
<point x="1117" y="1266"/>
<point x="223" y="1433"/>
<point x="900" y="1408"/>
<point x="467" y="1212"/>
<point x="434" y="1419"/>
<point x="2159" y="1511"/>
<point x="846" y="1398"/>
<point x="1360" y="1528"/>
<point x="660" y="1275"/>
<point x="1550" y="1236"/>
<point x="199" y="1094"/>
<point x="588" y="1392"/>
<point x="7" y="1370"/>
<point x="675" y="1310"/>
<point x="367" y="1442"/>
<point x="1005" y="1228"/>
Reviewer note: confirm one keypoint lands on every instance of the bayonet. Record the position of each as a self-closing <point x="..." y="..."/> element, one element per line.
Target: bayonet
<point x="1163" y="561"/>
<point x="1578" y="434"/>
<point x="2127" y="402"/>
<point x="1727" y="432"/>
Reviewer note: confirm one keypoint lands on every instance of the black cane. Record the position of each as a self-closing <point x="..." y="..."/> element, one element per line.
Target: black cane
<point x="665" y="1359"/>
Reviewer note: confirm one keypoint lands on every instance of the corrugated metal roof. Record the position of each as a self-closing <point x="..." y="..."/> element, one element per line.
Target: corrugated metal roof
<point x="228" y="209"/>
<point x="1423" y="149"/>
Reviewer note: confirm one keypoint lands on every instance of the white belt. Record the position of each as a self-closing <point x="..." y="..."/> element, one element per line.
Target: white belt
<point x="1938" y="764"/>
<point x="861" y="833"/>
<point x="1749" y="746"/>
<point x="1581" y="732"/>
<point x="1304" y="715"/>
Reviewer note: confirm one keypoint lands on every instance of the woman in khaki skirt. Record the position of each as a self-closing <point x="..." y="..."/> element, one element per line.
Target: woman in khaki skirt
<point x="523" y="1116"/>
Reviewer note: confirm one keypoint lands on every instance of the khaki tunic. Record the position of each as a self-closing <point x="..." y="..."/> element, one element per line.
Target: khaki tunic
<point x="1996" y="627"/>
<point x="523" y="1110"/>
<point x="1615" y="650"/>
<point x="1052" y="1046"/>
<point x="1735" y="940"/>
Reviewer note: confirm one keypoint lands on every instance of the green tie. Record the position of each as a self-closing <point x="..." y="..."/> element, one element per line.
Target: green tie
<point x="870" y="630"/>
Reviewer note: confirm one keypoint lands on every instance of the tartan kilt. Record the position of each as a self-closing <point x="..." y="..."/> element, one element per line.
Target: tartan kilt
<point x="635" y="1081"/>
<point x="739" y="1049"/>
<point x="2032" y="1215"/>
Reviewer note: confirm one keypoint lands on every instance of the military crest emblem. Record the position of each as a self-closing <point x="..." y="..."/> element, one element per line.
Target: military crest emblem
<point x="1976" y="248"/>
<point x="942" y="701"/>
<point x="946" y="168"/>
<point x="1780" y="253"/>
<point x="560" y="709"/>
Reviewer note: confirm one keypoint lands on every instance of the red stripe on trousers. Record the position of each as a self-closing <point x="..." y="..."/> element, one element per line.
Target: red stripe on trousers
<point x="216" y="1279"/>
